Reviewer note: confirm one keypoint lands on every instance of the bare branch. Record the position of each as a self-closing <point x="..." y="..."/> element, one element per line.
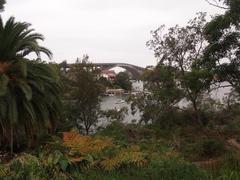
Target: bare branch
<point x="216" y="4"/>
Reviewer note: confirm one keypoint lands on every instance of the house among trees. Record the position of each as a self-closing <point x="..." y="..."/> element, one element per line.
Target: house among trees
<point x="108" y="74"/>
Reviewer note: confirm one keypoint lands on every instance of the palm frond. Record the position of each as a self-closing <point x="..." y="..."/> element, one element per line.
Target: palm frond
<point x="18" y="40"/>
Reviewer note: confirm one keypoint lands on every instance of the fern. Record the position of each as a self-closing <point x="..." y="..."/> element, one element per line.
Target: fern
<point x="25" y="160"/>
<point x="85" y="144"/>
<point x="111" y="164"/>
<point x="127" y="156"/>
<point x="89" y="152"/>
<point x="4" y="171"/>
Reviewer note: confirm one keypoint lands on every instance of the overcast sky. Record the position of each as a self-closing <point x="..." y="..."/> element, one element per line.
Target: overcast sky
<point x="106" y="30"/>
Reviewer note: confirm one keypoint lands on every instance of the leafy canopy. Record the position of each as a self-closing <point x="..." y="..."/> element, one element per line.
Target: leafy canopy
<point x="83" y="95"/>
<point x="181" y="49"/>
<point x="222" y="54"/>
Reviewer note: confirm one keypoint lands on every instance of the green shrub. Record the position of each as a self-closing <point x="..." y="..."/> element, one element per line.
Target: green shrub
<point x="202" y="149"/>
<point x="27" y="166"/>
<point x="209" y="147"/>
<point x="229" y="175"/>
<point x="230" y="169"/>
<point x="232" y="128"/>
<point x="176" y="169"/>
<point x="115" y="130"/>
<point x="232" y="162"/>
<point x="168" y="169"/>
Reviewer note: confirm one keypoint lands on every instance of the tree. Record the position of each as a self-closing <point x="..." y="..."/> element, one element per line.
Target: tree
<point x="84" y="94"/>
<point x="105" y="83"/>
<point x="29" y="90"/>
<point x="162" y="97"/>
<point x="222" y="55"/>
<point x="123" y="81"/>
<point x="161" y="82"/>
<point x="2" y="3"/>
<point x="115" y="114"/>
<point x="182" y="48"/>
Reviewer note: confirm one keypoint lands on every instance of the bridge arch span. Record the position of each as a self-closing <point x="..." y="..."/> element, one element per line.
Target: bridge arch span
<point x="136" y="71"/>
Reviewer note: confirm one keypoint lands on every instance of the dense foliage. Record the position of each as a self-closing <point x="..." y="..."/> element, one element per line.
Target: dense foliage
<point x="222" y="54"/>
<point x="105" y="156"/>
<point x="180" y="50"/>
<point x="123" y="81"/>
<point x="77" y="156"/>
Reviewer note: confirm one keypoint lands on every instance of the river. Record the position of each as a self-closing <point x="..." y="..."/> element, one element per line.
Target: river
<point x="111" y="102"/>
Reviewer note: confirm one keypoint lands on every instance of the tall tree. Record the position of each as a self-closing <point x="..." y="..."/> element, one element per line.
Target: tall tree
<point x="29" y="90"/>
<point x="222" y="55"/>
<point x="84" y="94"/>
<point x="182" y="48"/>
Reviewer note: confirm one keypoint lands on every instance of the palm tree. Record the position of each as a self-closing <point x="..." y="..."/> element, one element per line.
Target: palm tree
<point x="29" y="90"/>
<point x="18" y="41"/>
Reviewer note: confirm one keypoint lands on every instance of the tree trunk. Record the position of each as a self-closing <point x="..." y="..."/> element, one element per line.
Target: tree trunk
<point x="197" y="113"/>
<point x="86" y="127"/>
<point x="87" y="131"/>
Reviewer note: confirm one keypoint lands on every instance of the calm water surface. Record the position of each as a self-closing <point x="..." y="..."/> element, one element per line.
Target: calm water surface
<point x="111" y="102"/>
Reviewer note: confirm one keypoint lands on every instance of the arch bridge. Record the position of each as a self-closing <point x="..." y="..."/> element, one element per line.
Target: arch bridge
<point x="135" y="71"/>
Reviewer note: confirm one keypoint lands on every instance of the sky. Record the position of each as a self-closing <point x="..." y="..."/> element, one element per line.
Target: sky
<point x="106" y="30"/>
